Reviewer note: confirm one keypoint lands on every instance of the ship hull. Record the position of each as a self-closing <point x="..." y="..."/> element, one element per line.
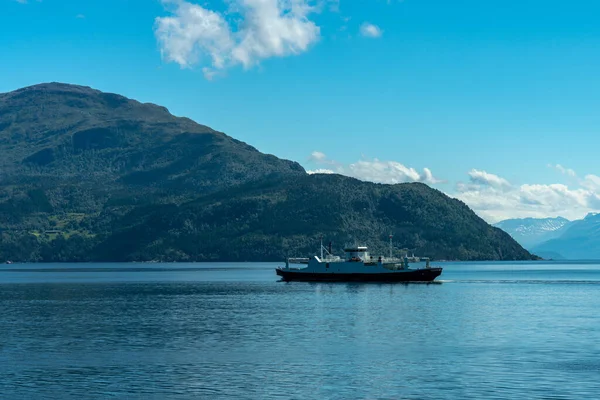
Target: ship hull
<point x="417" y="275"/>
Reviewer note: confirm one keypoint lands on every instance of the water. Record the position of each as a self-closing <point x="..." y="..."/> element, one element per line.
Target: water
<point x="189" y="331"/>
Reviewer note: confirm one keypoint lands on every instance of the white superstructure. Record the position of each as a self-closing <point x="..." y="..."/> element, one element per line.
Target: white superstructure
<point x="357" y="260"/>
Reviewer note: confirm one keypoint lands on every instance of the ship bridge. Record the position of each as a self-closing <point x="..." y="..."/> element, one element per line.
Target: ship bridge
<point x="358" y="253"/>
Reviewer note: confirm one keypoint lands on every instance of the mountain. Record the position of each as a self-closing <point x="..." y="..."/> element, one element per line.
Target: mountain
<point x="530" y="232"/>
<point x="82" y="147"/>
<point x="284" y="217"/>
<point x="90" y="176"/>
<point x="581" y="240"/>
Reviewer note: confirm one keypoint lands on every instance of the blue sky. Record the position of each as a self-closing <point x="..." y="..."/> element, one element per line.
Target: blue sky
<point x="489" y="96"/>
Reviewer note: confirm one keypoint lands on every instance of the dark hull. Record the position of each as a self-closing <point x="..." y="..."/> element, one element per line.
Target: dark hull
<point x="417" y="275"/>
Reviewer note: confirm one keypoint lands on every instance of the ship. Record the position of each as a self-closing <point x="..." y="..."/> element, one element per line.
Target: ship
<point x="358" y="266"/>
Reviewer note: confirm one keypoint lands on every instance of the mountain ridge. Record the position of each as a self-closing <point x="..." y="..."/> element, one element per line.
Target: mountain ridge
<point x="530" y="232"/>
<point x="94" y="176"/>
<point x="580" y="241"/>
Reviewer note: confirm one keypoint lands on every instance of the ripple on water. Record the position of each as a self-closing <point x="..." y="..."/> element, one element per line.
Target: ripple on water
<point x="469" y="337"/>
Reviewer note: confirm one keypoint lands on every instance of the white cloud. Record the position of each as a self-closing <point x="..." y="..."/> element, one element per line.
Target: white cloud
<point x="491" y="196"/>
<point x="193" y="30"/>
<point x="563" y="170"/>
<point x="27" y="2"/>
<point x="591" y="182"/>
<point x="383" y="172"/>
<point x="375" y="170"/>
<point x="388" y="172"/>
<point x="318" y="157"/>
<point x="370" y="30"/>
<point x="428" y="177"/>
<point x="495" y="199"/>
<point x="268" y="28"/>
<point x="320" y="171"/>
<point x="484" y="178"/>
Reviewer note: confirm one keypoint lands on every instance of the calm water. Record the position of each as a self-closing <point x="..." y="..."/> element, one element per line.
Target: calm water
<point x="488" y="330"/>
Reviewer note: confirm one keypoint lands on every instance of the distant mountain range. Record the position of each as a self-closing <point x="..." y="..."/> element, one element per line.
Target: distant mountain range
<point x="580" y="241"/>
<point x="89" y="176"/>
<point x="557" y="237"/>
<point x="530" y="232"/>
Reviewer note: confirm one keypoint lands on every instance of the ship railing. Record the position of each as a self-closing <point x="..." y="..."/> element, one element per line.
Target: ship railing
<point x="383" y="259"/>
<point x="412" y="259"/>
<point x="330" y="258"/>
<point x="298" y="260"/>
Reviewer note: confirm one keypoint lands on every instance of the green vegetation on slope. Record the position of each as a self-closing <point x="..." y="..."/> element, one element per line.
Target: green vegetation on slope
<point x="286" y="217"/>
<point x="95" y="176"/>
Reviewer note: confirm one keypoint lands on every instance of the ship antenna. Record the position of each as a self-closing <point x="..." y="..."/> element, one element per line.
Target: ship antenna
<point x="391" y="236"/>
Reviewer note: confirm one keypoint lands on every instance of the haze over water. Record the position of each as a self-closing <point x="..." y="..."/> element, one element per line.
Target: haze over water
<point x="487" y="330"/>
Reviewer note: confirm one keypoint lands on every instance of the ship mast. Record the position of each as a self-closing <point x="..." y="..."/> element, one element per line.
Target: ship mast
<point x="391" y="245"/>
<point x="321" y="247"/>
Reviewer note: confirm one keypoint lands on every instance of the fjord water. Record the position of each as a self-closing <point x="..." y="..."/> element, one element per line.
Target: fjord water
<point x="486" y="330"/>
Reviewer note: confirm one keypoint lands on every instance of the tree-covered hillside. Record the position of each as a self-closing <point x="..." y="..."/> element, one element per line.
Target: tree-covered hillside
<point x="89" y="176"/>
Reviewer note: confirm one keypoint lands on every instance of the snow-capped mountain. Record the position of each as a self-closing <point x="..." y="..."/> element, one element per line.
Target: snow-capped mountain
<point x="580" y="241"/>
<point x="530" y="232"/>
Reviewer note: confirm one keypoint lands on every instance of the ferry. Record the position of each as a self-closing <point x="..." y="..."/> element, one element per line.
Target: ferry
<point x="357" y="265"/>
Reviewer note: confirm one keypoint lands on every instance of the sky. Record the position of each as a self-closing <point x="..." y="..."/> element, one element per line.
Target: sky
<point x="493" y="102"/>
